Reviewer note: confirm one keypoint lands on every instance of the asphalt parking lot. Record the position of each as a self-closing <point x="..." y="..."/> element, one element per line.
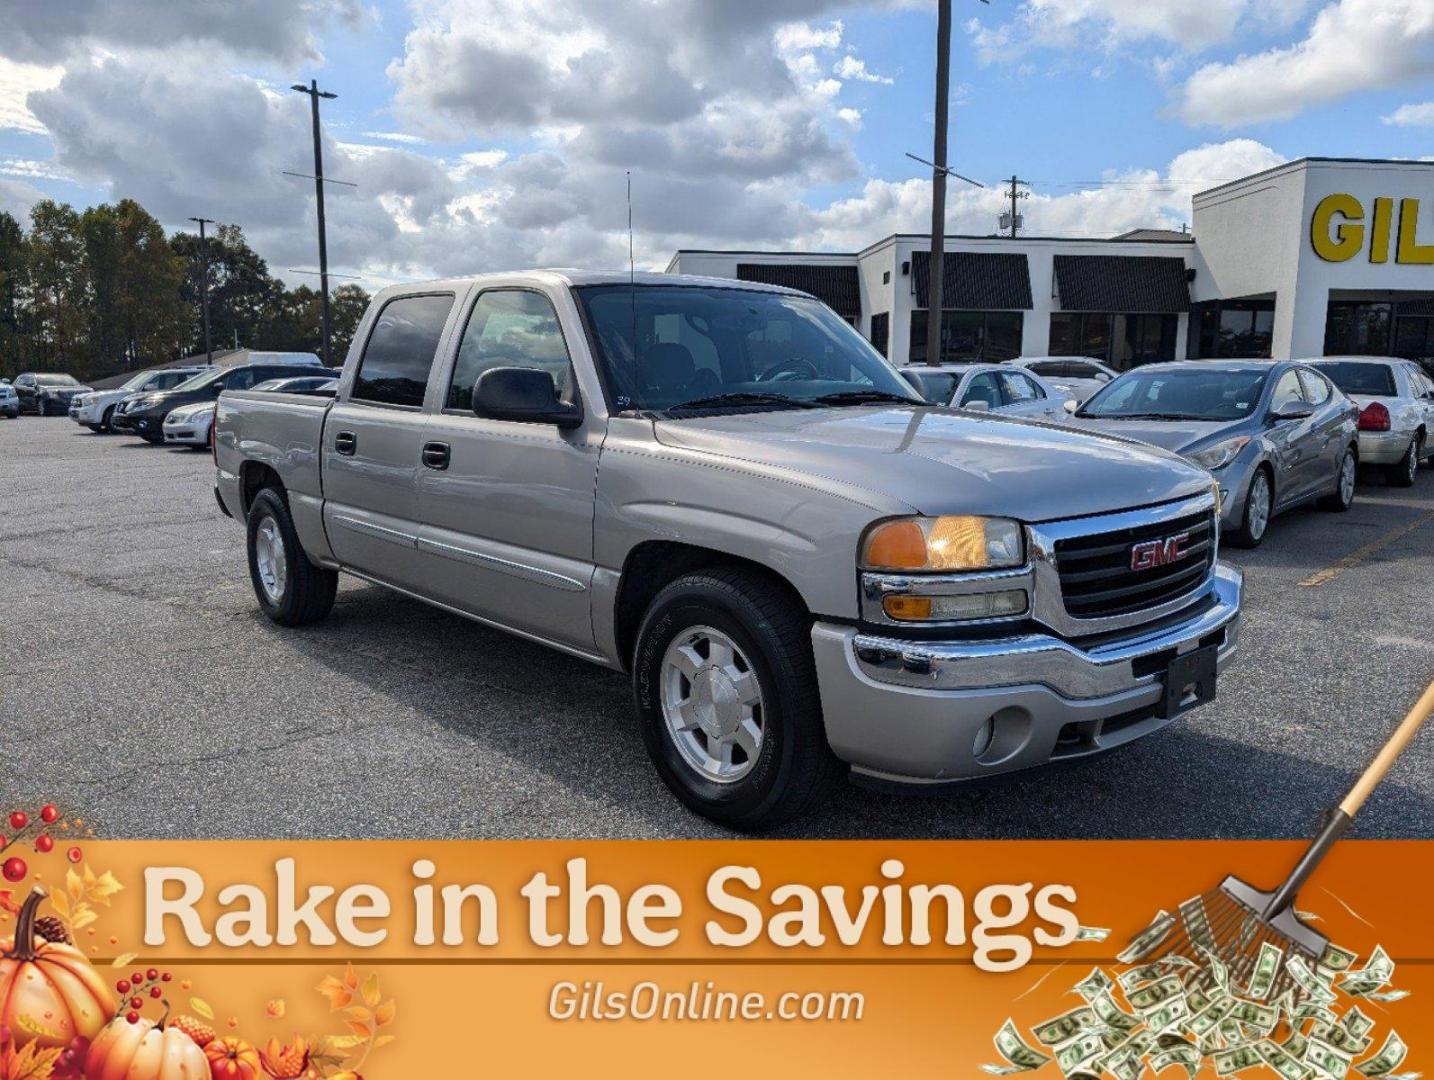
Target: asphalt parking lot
<point x="140" y="685"/>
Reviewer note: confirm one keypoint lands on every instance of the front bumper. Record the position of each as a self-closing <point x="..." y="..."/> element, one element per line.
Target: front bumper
<point x="1383" y="447"/>
<point x="149" y="425"/>
<point x="186" y="434"/>
<point x="86" y="414"/>
<point x="912" y="711"/>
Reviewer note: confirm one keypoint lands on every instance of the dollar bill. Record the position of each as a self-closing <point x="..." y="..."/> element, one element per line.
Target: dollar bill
<point x="1185" y="1056"/>
<point x="1375" y="974"/>
<point x="1112" y="1015"/>
<point x="1267" y="966"/>
<point x="1336" y="959"/>
<point x="1217" y="969"/>
<point x="1296" y="1044"/>
<point x="1208" y="1019"/>
<point x="1143" y="974"/>
<point x="1236" y="1059"/>
<point x="1340" y="1037"/>
<point x="1308" y="981"/>
<point x="1146" y="998"/>
<point x="1391" y="1055"/>
<point x="1313" y="1010"/>
<point x="1259" y="1016"/>
<point x="1149" y="939"/>
<point x="1355" y="1022"/>
<point x="1064" y="1028"/>
<point x="1092" y="933"/>
<point x="1168" y="1015"/>
<point x="1020" y="1056"/>
<point x="1282" y="1061"/>
<point x="1071" y="1057"/>
<point x="1199" y="1000"/>
<point x="1328" y="1059"/>
<point x="1387" y="995"/>
<point x="1094" y="984"/>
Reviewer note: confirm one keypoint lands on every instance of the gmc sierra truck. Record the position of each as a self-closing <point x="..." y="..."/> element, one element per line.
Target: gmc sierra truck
<point x="723" y="490"/>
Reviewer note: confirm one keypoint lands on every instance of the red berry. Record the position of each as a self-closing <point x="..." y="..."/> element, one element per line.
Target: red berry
<point x="74" y="854"/>
<point x="166" y="977"/>
<point x="122" y="986"/>
<point x="152" y="974"/>
<point x="132" y="1017"/>
<point x="19" y="819"/>
<point x="136" y="1003"/>
<point x="14" y="869"/>
<point x="137" y="978"/>
<point x="49" y="813"/>
<point x="155" y="991"/>
<point x="44" y="844"/>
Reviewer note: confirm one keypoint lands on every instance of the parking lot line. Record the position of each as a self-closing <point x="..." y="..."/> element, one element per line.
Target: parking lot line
<point x="1358" y="555"/>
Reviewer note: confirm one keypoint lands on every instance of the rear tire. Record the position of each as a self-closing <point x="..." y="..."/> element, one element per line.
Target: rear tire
<point x="727" y="627"/>
<point x="107" y="425"/>
<point x="1345" y="477"/>
<point x="291" y="590"/>
<point x="1406" y="471"/>
<point x="1259" y="508"/>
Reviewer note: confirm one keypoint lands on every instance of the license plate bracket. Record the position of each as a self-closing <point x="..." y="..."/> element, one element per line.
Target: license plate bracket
<point x="1195" y="671"/>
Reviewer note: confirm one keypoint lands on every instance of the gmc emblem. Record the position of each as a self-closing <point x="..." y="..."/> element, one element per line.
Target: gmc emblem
<point x="1153" y="553"/>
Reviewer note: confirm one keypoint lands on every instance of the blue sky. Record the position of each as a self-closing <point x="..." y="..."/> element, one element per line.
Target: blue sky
<point x="777" y="125"/>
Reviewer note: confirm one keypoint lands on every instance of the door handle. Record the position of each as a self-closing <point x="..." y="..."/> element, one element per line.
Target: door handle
<point x="435" y="455"/>
<point x="346" y="442"/>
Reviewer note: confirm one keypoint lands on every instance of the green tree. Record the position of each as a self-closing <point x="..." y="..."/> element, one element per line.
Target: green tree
<point x="103" y="252"/>
<point x="12" y="288"/>
<point x="151" y="314"/>
<point x="241" y="291"/>
<point x="58" y="287"/>
<point x="347" y="306"/>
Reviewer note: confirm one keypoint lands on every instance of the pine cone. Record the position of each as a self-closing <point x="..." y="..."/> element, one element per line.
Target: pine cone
<point x="52" y="929"/>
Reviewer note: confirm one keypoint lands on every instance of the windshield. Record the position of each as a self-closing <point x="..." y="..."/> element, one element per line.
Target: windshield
<point x="1179" y="394"/>
<point x="55" y="380"/>
<point x="1355" y="378"/>
<point x="204" y="378"/>
<point x="674" y="347"/>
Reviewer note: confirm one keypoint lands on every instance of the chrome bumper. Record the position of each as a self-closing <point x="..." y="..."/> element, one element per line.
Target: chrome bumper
<point x="930" y="712"/>
<point x="1383" y="447"/>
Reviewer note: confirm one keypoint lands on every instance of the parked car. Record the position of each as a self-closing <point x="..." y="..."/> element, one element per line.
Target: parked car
<point x="143" y="414"/>
<point x="322" y="385"/>
<point x="189" y="425"/>
<point x="723" y="490"/>
<point x="992" y="388"/>
<point x="1275" y="435"/>
<point x="96" y="409"/>
<point x="1396" y="419"/>
<point x="1077" y="376"/>
<point x="9" y="400"/>
<point x="46" y="393"/>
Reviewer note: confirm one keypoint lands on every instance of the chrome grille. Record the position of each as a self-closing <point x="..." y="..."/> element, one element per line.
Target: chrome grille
<point x="1096" y="575"/>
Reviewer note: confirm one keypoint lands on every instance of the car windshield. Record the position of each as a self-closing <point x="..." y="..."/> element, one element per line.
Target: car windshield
<point x="684" y="348"/>
<point x="1179" y="394"/>
<point x="204" y="378"/>
<point x="55" y="380"/>
<point x="1354" y="377"/>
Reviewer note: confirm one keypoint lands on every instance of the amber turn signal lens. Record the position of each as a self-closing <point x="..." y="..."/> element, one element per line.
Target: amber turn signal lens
<point x="907" y="608"/>
<point x="897" y="545"/>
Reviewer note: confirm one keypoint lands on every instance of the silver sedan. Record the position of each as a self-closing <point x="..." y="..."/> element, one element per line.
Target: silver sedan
<point x="1396" y="419"/>
<point x="1275" y="435"/>
<point x="996" y="388"/>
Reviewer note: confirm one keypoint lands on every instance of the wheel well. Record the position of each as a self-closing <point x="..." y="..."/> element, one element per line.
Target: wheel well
<point x="652" y="565"/>
<point x="254" y="477"/>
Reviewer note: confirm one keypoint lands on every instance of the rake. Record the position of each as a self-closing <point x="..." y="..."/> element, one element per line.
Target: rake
<point x="1234" y="921"/>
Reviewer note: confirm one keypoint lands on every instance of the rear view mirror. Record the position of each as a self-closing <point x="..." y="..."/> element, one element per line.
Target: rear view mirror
<point x="524" y="394"/>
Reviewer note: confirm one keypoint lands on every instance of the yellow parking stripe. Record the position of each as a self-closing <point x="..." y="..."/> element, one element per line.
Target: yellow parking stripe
<point x="1358" y="555"/>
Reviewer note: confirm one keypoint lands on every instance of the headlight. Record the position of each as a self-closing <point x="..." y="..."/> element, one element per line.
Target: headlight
<point x="1219" y="455"/>
<point x="943" y="543"/>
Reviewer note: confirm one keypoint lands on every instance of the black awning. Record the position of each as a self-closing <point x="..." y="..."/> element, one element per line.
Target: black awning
<point x="975" y="281"/>
<point x="1122" y="283"/>
<point x="836" y="286"/>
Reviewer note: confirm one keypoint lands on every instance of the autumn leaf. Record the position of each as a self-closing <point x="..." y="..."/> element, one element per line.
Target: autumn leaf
<point x="363" y="1031"/>
<point x="61" y="904"/>
<point x="32" y="1062"/>
<point x="74" y="885"/>
<point x="123" y="960"/>
<point x="337" y="993"/>
<point x="202" y="1007"/>
<point x="371" y="993"/>
<point x="359" y="1013"/>
<point x="384" y="1014"/>
<point x="351" y="979"/>
<point x="383" y="1040"/>
<point x="276" y="1008"/>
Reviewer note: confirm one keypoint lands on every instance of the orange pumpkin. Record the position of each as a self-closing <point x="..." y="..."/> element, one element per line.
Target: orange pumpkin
<point x="49" y="994"/>
<point x="144" y="1051"/>
<point x="233" y="1059"/>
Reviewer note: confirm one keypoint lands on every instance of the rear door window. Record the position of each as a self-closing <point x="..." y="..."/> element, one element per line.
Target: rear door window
<point x="398" y="357"/>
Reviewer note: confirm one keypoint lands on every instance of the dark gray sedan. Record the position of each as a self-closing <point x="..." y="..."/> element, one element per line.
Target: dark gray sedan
<point x="1275" y="435"/>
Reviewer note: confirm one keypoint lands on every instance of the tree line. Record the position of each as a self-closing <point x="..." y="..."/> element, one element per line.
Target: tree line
<point x="104" y="290"/>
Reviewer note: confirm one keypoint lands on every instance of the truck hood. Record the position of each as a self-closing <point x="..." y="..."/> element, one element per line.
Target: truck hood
<point x="942" y="461"/>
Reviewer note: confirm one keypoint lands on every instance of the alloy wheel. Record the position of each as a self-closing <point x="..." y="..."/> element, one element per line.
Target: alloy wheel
<point x="712" y="704"/>
<point x="1257" y="507"/>
<point x="1347" y="472"/>
<point x="269" y="559"/>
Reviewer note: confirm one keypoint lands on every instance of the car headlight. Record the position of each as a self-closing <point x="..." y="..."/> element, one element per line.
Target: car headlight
<point x="1221" y="454"/>
<point x="952" y="542"/>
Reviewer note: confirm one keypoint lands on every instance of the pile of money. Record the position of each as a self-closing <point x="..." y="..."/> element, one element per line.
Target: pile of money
<point x="1299" y="1018"/>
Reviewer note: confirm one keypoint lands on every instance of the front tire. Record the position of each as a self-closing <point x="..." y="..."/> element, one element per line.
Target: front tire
<point x="726" y="695"/>
<point x="1345" y="476"/>
<point x="107" y="425"/>
<point x="291" y="590"/>
<point x="1406" y="471"/>
<point x="1259" y="505"/>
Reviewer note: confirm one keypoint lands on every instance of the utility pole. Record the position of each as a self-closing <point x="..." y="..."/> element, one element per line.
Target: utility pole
<point x="1014" y="216"/>
<point x="314" y="94"/>
<point x="936" y="285"/>
<point x="204" y="282"/>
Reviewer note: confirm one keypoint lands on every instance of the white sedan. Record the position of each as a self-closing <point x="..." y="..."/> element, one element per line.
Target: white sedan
<point x="996" y="388"/>
<point x="1396" y="418"/>
<point x="189" y="425"/>
<point x="1078" y="376"/>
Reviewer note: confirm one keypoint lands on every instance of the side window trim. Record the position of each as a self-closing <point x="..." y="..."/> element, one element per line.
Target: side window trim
<point x="462" y="332"/>
<point x="439" y="352"/>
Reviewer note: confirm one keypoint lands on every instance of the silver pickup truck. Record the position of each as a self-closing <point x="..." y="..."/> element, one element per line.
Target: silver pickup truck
<point x="723" y="490"/>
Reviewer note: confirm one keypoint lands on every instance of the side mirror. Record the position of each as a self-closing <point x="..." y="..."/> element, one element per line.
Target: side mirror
<point x="977" y="406"/>
<point x="524" y="394"/>
<point x="1071" y="406"/>
<point x="1292" y="410"/>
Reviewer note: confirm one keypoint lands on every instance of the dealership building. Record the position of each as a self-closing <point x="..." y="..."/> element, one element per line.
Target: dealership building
<point x="1321" y="256"/>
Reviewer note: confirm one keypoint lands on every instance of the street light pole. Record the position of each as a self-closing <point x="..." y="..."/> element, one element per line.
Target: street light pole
<point x="204" y="282"/>
<point x="935" y="277"/>
<point x="314" y="94"/>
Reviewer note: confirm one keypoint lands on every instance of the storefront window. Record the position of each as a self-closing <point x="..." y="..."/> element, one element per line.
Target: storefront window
<point x="1123" y="341"/>
<point x="1414" y="337"/>
<point x="1358" y="328"/>
<point x="991" y="336"/>
<point x="1223" y="329"/>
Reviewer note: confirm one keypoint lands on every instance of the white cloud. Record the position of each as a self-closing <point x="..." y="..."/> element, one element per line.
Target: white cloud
<point x="1421" y="115"/>
<point x="850" y="67"/>
<point x="850" y="116"/>
<point x="395" y="136"/>
<point x="1352" y="45"/>
<point x="31" y="169"/>
<point x="17" y="82"/>
<point x="798" y="37"/>
<point x="16" y="198"/>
